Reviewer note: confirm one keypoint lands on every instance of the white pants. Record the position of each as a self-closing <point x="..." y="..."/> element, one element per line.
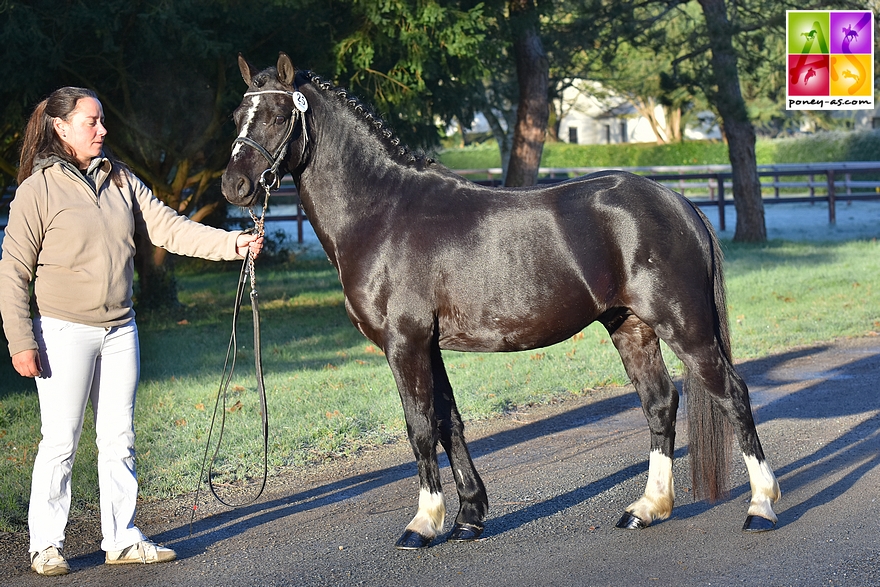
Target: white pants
<point x="82" y="363"/>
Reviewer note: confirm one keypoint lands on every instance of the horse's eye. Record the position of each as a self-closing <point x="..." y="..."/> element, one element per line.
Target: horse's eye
<point x="279" y="119"/>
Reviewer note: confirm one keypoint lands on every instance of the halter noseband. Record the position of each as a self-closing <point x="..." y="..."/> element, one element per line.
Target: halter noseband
<point x="300" y="106"/>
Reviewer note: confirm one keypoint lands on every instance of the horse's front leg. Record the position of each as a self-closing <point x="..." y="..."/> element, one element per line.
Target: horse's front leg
<point x="410" y="362"/>
<point x="472" y="499"/>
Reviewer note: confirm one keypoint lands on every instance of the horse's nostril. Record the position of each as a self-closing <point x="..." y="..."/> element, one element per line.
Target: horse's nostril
<point x="244" y="187"/>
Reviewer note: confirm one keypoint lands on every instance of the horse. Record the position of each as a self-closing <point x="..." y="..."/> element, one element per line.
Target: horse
<point x="810" y="73"/>
<point x="849" y="33"/>
<point x="810" y="35"/>
<point x="430" y="261"/>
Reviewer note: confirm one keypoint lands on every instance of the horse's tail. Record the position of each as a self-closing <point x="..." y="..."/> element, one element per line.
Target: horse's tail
<point x="709" y="430"/>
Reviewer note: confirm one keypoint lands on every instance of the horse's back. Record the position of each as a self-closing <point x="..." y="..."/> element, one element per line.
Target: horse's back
<point x="525" y="268"/>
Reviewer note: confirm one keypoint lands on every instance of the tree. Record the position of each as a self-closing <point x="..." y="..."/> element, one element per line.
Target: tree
<point x="672" y="34"/>
<point x="530" y="46"/>
<point x="532" y="112"/>
<point x="639" y="75"/>
<point x="733" y="52"/>
<point x="727" y="98"/>
<point x="160" y="72"/>
<point x="166" y="75"/>
<point x="417" y="61"/>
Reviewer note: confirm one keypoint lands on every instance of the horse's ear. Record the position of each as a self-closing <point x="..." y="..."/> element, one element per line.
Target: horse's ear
<point x="247" y="70"/>
<point x="286" y="70"/>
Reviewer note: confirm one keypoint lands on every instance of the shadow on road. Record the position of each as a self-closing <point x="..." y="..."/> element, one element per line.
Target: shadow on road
<point x="844" y="389"/>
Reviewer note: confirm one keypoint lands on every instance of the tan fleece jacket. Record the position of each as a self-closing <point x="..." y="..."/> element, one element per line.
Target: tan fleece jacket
<point x="77" y="244"/>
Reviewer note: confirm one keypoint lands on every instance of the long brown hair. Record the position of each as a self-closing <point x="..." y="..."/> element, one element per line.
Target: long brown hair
<point x="41" y="139"/>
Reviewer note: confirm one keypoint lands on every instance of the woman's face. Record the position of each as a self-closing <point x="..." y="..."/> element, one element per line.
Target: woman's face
<point x="84" y="131"/>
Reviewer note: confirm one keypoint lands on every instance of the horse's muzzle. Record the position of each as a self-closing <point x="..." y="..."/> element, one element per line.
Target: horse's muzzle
<point x="238" y="189"/>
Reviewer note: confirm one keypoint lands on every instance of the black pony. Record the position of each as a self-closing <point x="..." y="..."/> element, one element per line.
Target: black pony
<point x="430" y="261"/>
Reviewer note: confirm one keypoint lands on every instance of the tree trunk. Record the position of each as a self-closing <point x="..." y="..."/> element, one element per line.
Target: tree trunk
<point x="533" y="109"/>
<point x="157" y="284"/>
<point x="727" y="97"/>
<point x="503" y="138"/>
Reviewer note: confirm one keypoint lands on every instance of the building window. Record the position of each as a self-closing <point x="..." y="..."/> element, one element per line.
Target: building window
<point x="623" y="131"/>
<point x="608" y="133"/>
<point x="573" y="135"/>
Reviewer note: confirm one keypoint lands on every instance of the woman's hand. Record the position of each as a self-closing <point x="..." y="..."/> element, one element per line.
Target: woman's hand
<point x="27" y="363"/>
<point x="248" y="241"/>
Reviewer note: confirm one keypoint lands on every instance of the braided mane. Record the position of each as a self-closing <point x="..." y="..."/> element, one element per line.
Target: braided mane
<point x="379" y="126"/>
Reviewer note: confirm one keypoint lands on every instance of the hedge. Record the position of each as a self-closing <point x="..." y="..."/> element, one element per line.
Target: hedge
<point x="818" y="148"/>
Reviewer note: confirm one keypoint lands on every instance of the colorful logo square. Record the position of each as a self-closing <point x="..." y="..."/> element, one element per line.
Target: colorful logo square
<point x="808" y="32"/>
<point x="851" y="75"/>
<point x="808" y="75"/>
<point x="830" y="60"/>
<point x="851" y="32"/>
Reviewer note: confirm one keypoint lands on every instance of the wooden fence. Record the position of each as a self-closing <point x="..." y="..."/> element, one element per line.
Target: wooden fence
<point x="708" y="185"/>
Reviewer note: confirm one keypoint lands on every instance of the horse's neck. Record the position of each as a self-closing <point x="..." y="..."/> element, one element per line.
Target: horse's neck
<point x="349" y="185"/>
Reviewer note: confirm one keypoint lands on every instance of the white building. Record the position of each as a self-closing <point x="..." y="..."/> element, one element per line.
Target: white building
<point x="591" y="115"/>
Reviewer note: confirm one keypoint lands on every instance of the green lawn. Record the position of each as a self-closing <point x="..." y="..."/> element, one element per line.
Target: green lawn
<point x="330" y="391"/>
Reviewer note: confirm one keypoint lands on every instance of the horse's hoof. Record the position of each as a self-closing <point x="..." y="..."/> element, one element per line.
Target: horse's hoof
<point x="464" y="533"/>
<point x="412" y="541"/>
<point x="758" y="524"/>
<point x="630" y="522"/>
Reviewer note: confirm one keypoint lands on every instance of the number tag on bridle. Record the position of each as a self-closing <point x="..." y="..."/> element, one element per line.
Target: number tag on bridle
<point x="300" y="101"/>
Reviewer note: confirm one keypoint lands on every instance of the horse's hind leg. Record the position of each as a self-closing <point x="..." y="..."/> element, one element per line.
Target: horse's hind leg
<point x="639" y="349"/>
<point x="711" y="378"/>
<point x="473" y="502"/>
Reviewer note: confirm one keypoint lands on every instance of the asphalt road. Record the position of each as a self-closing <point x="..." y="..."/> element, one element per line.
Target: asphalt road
<point x="558" y="477"/>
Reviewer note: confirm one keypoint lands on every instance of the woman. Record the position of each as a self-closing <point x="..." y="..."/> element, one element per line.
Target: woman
<point x="71" y="231"/>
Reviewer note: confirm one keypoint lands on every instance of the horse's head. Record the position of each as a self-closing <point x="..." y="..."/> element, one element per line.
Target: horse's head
<point x="270" y="119"/>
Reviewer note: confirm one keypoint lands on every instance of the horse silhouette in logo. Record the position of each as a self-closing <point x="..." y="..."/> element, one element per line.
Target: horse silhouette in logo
<point x="810" y="73"/>
<point x="849" y="33"/>
<point x="810" y="36"/>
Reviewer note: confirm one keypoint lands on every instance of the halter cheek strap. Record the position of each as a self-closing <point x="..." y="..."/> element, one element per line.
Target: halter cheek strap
<point x="300" y="106"/>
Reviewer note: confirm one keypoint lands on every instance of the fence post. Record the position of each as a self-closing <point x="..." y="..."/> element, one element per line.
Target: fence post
<point x="832" y="213"/>
<point x="722" y="225"/>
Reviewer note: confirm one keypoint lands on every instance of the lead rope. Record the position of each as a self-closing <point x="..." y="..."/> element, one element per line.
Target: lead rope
<point x="247" y="273"/>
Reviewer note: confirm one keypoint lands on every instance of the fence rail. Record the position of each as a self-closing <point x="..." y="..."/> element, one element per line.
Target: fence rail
<point x="706" y="185"/>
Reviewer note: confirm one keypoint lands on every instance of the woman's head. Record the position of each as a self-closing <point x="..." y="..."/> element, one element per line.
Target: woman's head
<point x="69" y="124"/>
<point x="82" y="130"/>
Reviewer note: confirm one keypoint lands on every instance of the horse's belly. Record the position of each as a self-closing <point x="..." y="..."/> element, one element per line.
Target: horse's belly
<point x="509" y="333"/>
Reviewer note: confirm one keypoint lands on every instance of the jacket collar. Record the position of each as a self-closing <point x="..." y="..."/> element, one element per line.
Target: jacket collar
<point x="97" y="171"/>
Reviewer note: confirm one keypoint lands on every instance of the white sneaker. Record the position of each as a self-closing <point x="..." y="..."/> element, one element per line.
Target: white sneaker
<point x="144" y="551"/>
<point x="49" y="562"/>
